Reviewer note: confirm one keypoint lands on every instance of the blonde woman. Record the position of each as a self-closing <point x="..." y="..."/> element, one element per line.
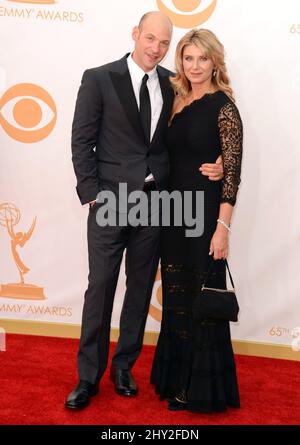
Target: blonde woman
<point x="194" y="366"/>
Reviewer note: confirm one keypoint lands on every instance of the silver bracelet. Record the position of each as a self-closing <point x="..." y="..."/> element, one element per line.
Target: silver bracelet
<point x="224" y="224"/>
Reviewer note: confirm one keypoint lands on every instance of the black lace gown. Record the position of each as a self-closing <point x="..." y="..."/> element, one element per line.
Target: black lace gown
<point x="194" y="360"/>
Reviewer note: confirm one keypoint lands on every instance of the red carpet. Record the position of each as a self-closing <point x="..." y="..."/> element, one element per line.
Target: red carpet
<point x="37" y="373"/>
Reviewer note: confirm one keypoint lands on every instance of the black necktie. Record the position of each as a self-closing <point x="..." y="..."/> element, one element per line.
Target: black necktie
<point x="145" y="112"/>
<point x="145" y="109"/>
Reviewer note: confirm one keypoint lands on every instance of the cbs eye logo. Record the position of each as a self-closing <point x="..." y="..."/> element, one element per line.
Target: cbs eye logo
<point x="187" y="20"/>
<point x="33" y="110"/>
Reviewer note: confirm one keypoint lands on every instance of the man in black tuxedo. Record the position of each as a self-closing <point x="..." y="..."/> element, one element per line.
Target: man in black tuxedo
<point x="121" y="114"/>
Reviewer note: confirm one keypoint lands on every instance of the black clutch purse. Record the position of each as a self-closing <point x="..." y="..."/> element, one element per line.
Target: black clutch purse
<point x="217" y="304"/>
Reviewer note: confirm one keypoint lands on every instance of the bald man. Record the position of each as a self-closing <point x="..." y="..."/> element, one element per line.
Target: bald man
<point x="121" y="114"/>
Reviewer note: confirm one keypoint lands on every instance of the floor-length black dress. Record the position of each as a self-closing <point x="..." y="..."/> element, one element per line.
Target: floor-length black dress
<point x="194" y="365"/>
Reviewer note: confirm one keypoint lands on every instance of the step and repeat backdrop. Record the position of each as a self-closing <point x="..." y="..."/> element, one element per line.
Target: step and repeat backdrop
<point x="45" y="46"/>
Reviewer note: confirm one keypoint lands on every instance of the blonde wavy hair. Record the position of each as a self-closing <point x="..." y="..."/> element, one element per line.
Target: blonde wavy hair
<point x="214" y="50"/>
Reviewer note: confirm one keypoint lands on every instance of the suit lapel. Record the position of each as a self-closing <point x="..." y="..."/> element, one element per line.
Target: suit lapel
<point x="122" y="83"/>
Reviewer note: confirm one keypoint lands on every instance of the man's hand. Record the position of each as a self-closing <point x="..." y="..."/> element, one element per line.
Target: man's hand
<point x="215" y="171"/>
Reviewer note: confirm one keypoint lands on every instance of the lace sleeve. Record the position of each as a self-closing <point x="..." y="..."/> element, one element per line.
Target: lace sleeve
<point x="231" y="138"/>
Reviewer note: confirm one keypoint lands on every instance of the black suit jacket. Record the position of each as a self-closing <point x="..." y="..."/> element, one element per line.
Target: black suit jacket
<point x="108" y="145"/>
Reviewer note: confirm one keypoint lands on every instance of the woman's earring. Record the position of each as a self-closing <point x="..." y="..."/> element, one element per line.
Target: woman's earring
<point x="214" y="73"/>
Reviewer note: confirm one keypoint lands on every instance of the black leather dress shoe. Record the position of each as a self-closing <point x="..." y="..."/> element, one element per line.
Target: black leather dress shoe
<point x="124" y="383"/>
<point x="80" y="397"/>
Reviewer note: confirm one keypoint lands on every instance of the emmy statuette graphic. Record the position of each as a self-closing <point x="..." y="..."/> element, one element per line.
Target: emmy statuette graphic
<point x="9" y="218"/>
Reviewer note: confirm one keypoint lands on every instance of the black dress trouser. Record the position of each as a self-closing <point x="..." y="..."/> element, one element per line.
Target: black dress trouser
<point x="106" y="246"/>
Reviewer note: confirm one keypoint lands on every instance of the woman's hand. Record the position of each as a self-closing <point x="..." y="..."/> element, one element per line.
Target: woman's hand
<point x="219" y="243"/>
<point x="215" y="172"/>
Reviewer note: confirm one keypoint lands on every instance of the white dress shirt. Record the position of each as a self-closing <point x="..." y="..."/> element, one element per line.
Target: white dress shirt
<point x="156" y="100"/>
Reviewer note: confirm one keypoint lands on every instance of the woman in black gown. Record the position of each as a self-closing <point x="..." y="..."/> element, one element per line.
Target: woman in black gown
<point x="194" y="367"/>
